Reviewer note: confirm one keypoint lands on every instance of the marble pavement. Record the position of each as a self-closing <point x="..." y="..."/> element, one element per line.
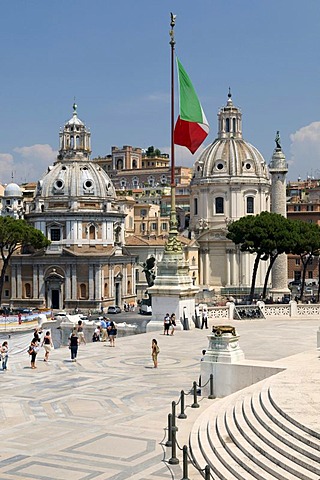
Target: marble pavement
<point x="104" y="417"/>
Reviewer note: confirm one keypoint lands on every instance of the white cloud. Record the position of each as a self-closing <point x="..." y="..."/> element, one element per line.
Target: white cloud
<point x="305" y="152"/>
<point x="28" y="164"/>
<point x="6" y="167"/>
<point x="38" y="151"/>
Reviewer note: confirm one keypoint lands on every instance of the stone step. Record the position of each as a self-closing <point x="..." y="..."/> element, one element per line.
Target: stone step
<point x="235" y="435"/>
<point x="276" y="451"/>
<point x="212" y="452"/>
<point x="276" y="431"/>
<point x="282" y="422"/>
<point x="293" y="421"/>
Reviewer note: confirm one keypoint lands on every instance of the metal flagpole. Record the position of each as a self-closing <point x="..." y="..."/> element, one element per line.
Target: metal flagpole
<point x="173" y="244"/>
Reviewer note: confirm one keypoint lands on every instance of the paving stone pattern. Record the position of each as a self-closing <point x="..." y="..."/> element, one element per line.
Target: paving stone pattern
<point x="105" y="416"/>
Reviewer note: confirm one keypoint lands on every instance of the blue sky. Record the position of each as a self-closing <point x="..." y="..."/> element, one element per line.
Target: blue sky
<point x="114" y="57"/>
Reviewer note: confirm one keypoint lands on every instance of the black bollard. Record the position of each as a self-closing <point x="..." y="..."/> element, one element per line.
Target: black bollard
<point x="207" y="472"/>
<point x="182" y="414"/>
<point x="169" y="441"/>
<point x="195" y="403"/>
<point x="211" y="394"/>
<point x="174" y="427"/>
<point x="185" y="463"/>
<point x="174" y="460"/>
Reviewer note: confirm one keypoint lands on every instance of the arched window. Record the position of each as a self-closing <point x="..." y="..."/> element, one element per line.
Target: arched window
<point x="27" y="290"/>
<point x="219" y="205"/>
<point x="134" y="164"/>
<point x="71" y="142"/>
<point x="119" y="164"/>
<point x="195" y="206"/>
<point x="135" y="182"/>
<point x="234" y="125"/>
<point x="92" y="232"/>
<point x="250" y="204"/>
<point x="77" y="141"/>
<point x="83" y="290"/>
<point x="227" y="125"/>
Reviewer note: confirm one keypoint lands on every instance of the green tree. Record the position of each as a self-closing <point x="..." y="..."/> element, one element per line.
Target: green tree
<point x="266" y="235"/>
<point x="16" y="234"/>
<point x="307" y="246"/>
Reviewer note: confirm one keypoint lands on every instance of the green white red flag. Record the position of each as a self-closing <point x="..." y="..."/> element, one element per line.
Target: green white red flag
<point x="191" y="127"/>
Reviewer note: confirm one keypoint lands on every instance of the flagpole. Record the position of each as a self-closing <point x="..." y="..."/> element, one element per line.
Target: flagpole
<point x="173" y="244"/>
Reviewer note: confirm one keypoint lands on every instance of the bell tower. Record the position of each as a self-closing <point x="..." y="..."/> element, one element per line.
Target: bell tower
<point x="75" y="139"/>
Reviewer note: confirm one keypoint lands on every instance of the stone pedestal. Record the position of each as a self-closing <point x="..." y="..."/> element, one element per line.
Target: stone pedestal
<point x="224" y="349"/>
<point x="173" y="292"/>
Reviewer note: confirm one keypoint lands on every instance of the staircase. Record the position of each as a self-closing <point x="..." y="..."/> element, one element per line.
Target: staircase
<point x="262" y="432"/>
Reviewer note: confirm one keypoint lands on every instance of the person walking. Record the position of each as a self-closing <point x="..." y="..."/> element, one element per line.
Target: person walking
<point x="204" y="322"/>
<point x="33" y="351"/>
<point x="103" y="329"/>
<point x="166" y="324"/>
<point x="81" y="332"/>
<point x="173" y="323"/>
<point x="155" y="350"/>
<point x="4" y="354"/>
<point x="73" y="345"/>
<point x="47" y="345"/>
<point x="112" y="334"/>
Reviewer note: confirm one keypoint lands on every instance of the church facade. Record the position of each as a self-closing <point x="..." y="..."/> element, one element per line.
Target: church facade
<point x="231" y="180"/>
<point x="87" y="265"/>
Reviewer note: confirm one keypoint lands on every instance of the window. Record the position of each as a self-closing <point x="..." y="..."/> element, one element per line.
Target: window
<point x="219" y="205"/>
<point x="129" y="287"/>
<point x="309" y="208"/>
<point x="92" y="232"/>
<point x="6" y="278"/>
<point x="153" y="226"/>
<point x="106" y="292"/>
<point x="297" y="261"/>
<point x="55" y="234"/>
<point x="6" y="293"/>
<point x="227" y="125"/>
<point x="143" y="227"/>
<point x="297" y="275"/>
<point x="195" y="206"/>
<point x="310" y="274"/>
<point x="83" y="290"/>
<point x="164" y="226"/>
<point x="310" y="261"/>
<point x="143" y="212"/>
<point x="296" y="208"/>
<point x="27" y="290"/>
<point x="250" y="205"/>
<point x="134" y="164"/>
<point x="8" y="202"/>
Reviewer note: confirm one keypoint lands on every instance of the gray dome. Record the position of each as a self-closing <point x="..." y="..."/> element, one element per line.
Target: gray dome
<point x="12" y="190"/>
<point x="229" y="155"/>
<point x="76" y="179"/>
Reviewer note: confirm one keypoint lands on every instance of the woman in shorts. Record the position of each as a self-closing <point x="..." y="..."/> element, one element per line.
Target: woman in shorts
<point x="47" y="345"/>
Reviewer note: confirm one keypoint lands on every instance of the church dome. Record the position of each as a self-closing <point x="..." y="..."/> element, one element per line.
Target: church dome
<point x="74" y="176"/>
<point x="76" y="179"/>
<point x="229" y="155"/>
<point x="12" y="190"/>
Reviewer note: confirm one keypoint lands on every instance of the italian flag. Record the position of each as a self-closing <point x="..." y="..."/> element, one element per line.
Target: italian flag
<point x="191" y="127"/>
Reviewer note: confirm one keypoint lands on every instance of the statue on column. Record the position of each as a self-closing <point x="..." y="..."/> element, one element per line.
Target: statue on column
<point x="278" y="141"/>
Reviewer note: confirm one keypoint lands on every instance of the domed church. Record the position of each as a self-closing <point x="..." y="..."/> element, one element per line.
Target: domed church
<point x="231" y="180"/>
<point x="86" y="265"/>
